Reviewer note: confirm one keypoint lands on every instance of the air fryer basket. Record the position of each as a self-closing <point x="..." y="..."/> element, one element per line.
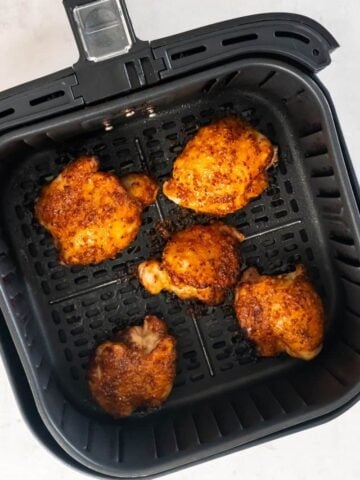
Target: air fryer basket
<point x="224" y="396"/>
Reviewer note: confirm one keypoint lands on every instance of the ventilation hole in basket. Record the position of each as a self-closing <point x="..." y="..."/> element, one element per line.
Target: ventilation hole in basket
<point x="26" y="231"/>
<point x="62" y="336"/>
<point x="268" y="243"/>
<point x="193" y="365"/>
<point x="111" y="307"/>
<point x="39" y="269"/>
<point x="46" y="98"/>
<point x="288" y="187"/>
<point x="178" y="321"/>
<point x="73" y="319"/>
<point x="168" y="125"/>
<point x="92" y="313"/>
<point x="76" y="269"/>
<point x="62" y="286"/>
<point x="114" y="319"/>
<point x="191" y="354"/>
<point x="80" y="342"/>
<point x="267" y="78"/>
<point x="188" y="53"/>
<point x="291" y="247"/>
<point x="280" y="214"/>
<point x="323" y="193"/>
<point x="353" y="262"/>
<point x="84" y="353"/>
<point x="263" y="219"/>
<point x="41" y="167"/>
<point x="176" y="149"/>
<point x="287" y="236"/>
<point x="336" y="237"/>
<point x="239" y="39"/>
<point x="173" y="137"/>
<point x="215" y="333"/>
<point x="32" y="249"/>
<point x="243" y="224"/>
<point x="293" y="259"/>
<point x="218" y="345"/>
<point x="119" y="141"/>
<point x="50" y="252"/>
<point x="96" y="324"/>
<point x="174" y="310"/>
<point x="326" y="171"/>
<point x="223" y="355"/>
<point x="106" y="296"/>
<point x="252" y="261"/>
<point x="272" y="253"/>
<point x="45" y="287"/>
<point x="87" y="302"/>
<point x="56" y="317"/>
<point x="249" y="248"/>
<point x="81" y="280"/>
<point x="7" y="112"/>
<point x="57" y="275"/>
<point x="152" y="144"/>
<point x="316" y="152"/>
<point x="194" y="377"/>
<point x="309" y="254"/>
<point x="272" y="191"/>
<point x="149" y="132"/>
<point x="74" y="373"/>
<point x="226" y="366"/>
<point x="294" y="206"/>
<point x="258" y="209"/>
<point x="99" y="147"/>
<point x="68" y="355"/>
<point x="68" y="308"/>
<point x="19" y="212"/>
<point x="282" y="168"/>
<point x="277" y="203"/>
<point x="304" y="236"/>
<point x="292" y="35"/>
<point x="210" y="84"/>
<point x="77" y="330"/>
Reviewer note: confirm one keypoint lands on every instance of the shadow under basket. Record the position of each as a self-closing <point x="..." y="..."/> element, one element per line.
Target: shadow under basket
<point x="224" y="396"/>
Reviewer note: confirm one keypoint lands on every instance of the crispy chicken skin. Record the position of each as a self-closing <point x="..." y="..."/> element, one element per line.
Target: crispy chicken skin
<point x="135" y="370"/>
<point x="221" y="168"/>
<point x="93" y="215"/>
<point x="281" y="313"/>
<point x="200" y="262"/>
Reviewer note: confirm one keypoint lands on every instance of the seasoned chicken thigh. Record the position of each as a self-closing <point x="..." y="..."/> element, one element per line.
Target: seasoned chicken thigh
<point x="221" y="168"/>
<point x="93" y="215"/>
<point x="280" y="313"/>
<point x="200" y="262"/>
<point x="135" y="370"/>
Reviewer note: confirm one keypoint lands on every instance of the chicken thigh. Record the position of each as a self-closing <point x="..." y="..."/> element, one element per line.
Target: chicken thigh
<point x="221" y="168"/>
<point x="200" y="262"/>
<point x="93" y="215"/>
<point x="135" y="370"/>
<point x="280" y="313"/>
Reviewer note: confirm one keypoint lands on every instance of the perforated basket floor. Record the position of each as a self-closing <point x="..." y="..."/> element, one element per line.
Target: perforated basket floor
<point x="81" y="306"/>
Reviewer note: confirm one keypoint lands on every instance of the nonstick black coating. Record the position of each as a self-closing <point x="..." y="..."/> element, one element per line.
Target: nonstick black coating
<point x="81" y="306"/>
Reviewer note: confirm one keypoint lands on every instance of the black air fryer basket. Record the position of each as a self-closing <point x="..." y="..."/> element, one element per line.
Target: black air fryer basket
<point x="135" y="104"/>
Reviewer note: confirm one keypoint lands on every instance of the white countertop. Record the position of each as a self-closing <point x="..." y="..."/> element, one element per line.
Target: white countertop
<point x="35" y="40"/>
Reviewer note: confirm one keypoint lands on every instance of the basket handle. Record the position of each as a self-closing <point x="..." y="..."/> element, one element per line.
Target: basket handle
<point x="102" y="29"/>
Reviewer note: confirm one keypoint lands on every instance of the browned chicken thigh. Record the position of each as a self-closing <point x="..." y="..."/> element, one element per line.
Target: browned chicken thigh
<point x="135" y="370"/>
<point x="221" y="168"/>
<point x="200" y="262"/>
<point x="93" y="215"/>
<point x="280" y="313"/>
